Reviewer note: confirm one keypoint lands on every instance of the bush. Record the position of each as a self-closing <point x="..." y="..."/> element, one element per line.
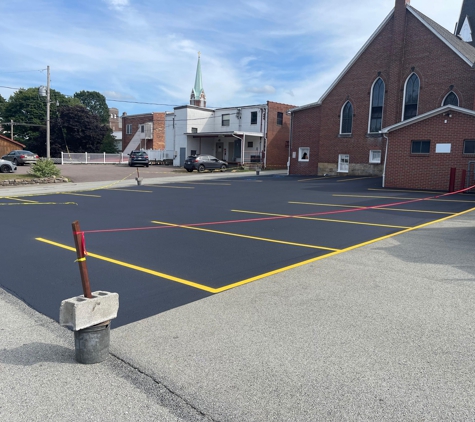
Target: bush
<point x="45" y="167"/>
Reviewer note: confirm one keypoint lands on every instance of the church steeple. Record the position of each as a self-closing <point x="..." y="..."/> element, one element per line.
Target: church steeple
<point x="198" y="96"/>
<point x="466" y="23"/>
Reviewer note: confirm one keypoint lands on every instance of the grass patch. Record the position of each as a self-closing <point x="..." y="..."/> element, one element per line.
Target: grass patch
<point x="11" y="176"/>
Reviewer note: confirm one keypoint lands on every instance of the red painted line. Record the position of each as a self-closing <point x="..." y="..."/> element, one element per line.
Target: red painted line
<point x="250" y="220"/>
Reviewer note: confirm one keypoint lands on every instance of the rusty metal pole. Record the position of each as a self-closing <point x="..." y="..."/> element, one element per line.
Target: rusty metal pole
<point x="78" y="241"/>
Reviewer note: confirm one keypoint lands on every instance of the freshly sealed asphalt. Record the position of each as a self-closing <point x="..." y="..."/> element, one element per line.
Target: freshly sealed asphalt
<point x="372" y="327"/>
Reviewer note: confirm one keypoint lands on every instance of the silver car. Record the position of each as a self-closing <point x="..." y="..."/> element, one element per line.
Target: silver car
<point x="21" y="158"/>
<point x="7" y="166"/>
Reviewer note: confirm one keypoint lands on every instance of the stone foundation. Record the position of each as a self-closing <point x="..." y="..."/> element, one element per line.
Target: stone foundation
<point x="38" y="181"/>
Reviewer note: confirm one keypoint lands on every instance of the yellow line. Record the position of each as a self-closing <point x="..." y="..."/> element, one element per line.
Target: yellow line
<point x="200" y="183"/>
<point x="357" y="178"/>
<point x="373" y="209"/>
<point x="318" y="258"/>
<point x="260" y="276"/>
<point x="129" y="190"/>
<point x="313" y="178"/>
<point x="39" y="203"/>
<point x="134" y="267"/>
<point x="81" y="194"/>
<point x="18" y="199"/>
<point x="303" y="245"/>
<point x="323" y="219"/>
<point x="398" y="197"/>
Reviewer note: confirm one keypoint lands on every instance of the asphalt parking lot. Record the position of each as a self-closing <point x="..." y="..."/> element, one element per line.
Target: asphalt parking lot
<point x="163" y="246"/>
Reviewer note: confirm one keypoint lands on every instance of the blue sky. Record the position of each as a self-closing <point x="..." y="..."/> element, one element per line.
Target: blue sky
<point x="145" y="51"/>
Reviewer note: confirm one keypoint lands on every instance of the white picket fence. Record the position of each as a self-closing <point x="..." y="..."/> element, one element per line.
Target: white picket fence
<point x="155" y="156"/>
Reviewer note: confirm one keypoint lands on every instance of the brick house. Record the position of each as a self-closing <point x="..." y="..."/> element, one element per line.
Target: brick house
<point x="397" y="86"/>
<point x="143" y="131"/>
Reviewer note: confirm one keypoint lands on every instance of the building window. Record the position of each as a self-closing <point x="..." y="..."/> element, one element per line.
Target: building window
<point x="253" y="117"/>
<point x="304" y="154"/>
<point x="411" y="97"/>
<point x="142" y="128"/>
<point x="280" y="118"/>
<point x="194" y="130"/>
<point x="451" y="99"/>
<point x="469" y="146"/>
<point x="250" y="144"/>
<point x="128" y="129"/>
<point x="225" y="120"/>
<point x="346" y="118"/>
<point x="420" y="147"/>
<point x="375" y="156"/>
<point x="376" y="110"/>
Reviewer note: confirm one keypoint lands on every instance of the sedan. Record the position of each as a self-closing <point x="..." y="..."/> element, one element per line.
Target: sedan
<point x="21" y="157"/>
<point x="204" y="162"/>
<point x="7" y="166"/>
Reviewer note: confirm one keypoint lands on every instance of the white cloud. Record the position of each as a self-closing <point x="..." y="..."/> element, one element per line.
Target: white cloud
<point x="266" y="89"/>
<point x="117" y="4"/>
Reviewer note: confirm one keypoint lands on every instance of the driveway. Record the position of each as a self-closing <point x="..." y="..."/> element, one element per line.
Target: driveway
<point x="79" y="173"/>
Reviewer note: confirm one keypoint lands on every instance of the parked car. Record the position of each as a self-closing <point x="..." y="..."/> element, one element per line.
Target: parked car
<point x="7" y="166"/>
<point x="204" y="162"/>
<point x="21" y="158"/>
<point x="138" y="158"/>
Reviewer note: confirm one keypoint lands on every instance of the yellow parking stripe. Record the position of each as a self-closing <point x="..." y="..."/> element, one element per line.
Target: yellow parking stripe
<point x="324" y="219"/>
<point x="357" y="178"/>
<point x="130" y="190"/>
<point x="21" y="200"/>
<point x="398" y="197"/>
<point x="372" y="209"/>
<point x="245" y="236"/>
<point x="205" y="183"/>
<point x="313" y="178"/>
<point x="81" y="194"/>
<point x="134" y="267"/>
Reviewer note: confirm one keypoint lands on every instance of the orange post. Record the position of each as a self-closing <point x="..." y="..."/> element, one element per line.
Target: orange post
<point x="80" y="252"/>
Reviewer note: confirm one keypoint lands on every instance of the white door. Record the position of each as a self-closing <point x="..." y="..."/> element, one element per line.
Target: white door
<point x="343" y="163"/>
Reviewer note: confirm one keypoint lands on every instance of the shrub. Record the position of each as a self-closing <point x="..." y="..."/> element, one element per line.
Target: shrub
<point x="45" y="167"/>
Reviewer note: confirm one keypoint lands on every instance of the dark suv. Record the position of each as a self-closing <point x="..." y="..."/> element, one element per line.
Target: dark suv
<point x="204" y="162"/>
<point x="138" y="158"/>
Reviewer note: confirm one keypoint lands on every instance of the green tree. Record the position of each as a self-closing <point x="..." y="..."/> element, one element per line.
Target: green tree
<point x="28" y="111"/>
<point x="96" y="103"/>
<point x="108" y="143"/>
<point x="2" y="107"/>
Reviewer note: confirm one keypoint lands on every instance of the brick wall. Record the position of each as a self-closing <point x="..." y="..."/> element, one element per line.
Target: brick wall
<point x="158" y="120"/>
<point x="429" y="171"/>
<point x="404" y="45"/>
<point x="277" y="136"/>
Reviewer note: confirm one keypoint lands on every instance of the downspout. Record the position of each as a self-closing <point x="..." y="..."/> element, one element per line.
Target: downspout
<point x="290" y="143"/>
<point x="385" y="159"/>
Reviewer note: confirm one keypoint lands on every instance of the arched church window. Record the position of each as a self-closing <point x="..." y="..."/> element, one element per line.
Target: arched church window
<point x="451" y="99"/>
<point x="411" y="97"/>
<point x="376" y="108"/>
<point x="346" y="118"/>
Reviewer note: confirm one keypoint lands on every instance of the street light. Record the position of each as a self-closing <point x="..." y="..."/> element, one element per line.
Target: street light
<point x="46" y="92"/>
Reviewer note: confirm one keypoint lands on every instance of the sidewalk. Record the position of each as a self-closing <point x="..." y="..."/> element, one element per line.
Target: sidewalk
<point x="382" y="332"/>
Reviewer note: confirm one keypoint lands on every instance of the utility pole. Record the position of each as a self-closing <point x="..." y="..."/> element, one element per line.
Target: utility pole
<point x="11" y="130"/>
<point x="47" y="114"/>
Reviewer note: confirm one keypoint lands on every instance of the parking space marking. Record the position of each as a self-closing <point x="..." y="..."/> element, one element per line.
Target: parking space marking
<point x="313" y="178"/>
<point x="80" y="194"/>
<point x="130" y="190"/>
<point x="399" y="197"/>
<point x="371" y="208"/>
<point x="323" y="219"/>
<point x="205" y="183"/>
<point x="132" y="267"/>
<point x="264" y="239"/>
<point x="171" y="187"/>
<point x="19" y="199"/>
<point x="358" y="178"/>
<point x="257" y="277"/>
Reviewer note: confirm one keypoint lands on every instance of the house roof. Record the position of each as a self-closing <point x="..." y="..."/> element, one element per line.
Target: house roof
<point x="461" y="48"/>
<point x="5" y="139"/>
<point x="429" y="114"/>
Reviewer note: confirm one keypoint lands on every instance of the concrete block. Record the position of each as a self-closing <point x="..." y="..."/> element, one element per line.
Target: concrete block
<point x="80" y="312"/>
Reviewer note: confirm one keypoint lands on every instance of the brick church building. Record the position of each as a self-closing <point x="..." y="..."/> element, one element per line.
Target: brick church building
<point x="403" y="108"/>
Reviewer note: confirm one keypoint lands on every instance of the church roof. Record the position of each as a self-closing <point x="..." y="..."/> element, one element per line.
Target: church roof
<point x="466" y="14"/>
<point x="198" y="88"/>
<point x="464" y="50"/>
